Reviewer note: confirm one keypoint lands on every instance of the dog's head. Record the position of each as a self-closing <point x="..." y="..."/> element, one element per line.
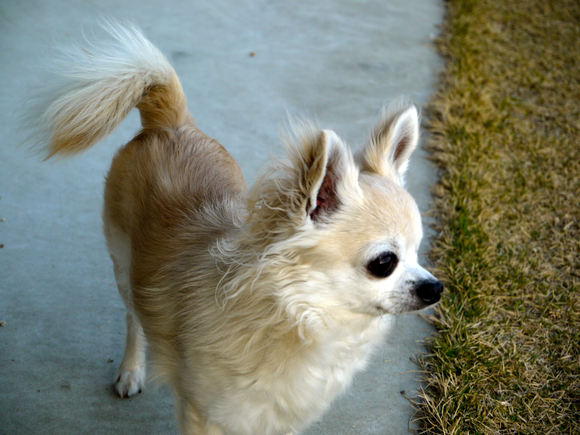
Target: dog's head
<point x="340" y="231"/>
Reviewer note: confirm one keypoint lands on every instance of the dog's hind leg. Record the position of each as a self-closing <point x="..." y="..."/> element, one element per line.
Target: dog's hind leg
<point x="130" y="377"/>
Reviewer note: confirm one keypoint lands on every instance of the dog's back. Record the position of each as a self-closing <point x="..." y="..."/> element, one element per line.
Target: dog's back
<point x="170" y="193"/>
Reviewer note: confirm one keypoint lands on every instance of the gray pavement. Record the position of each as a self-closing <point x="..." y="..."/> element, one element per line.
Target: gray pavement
<point x="337" y="61"/>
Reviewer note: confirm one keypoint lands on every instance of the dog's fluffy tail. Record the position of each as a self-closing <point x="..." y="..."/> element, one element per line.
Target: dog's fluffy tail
<point x="99" y="84"/>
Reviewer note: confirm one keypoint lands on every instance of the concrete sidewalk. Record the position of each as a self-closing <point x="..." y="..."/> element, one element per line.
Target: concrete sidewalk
<point x="337" y="61"/>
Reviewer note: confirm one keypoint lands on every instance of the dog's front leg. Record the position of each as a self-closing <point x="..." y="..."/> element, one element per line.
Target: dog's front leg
<point x="191" y="422"/>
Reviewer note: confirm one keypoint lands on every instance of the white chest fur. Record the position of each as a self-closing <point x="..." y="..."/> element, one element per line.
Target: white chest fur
<point x="289" y="399"/>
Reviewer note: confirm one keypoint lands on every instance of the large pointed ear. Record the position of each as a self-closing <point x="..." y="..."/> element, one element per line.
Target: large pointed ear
<point x="308" y="186"/>
<point x="320" y="162"/>
<point x="392" y="142"/>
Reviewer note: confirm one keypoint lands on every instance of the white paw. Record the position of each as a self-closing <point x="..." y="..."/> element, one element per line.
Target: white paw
<point x="130" y="382"/>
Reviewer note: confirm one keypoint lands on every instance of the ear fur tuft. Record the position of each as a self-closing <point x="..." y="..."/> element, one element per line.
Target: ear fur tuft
<point x="304" y="187"/>
<point x="392" y="142"/>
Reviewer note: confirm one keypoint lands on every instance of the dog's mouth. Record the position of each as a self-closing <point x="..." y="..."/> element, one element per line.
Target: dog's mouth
<point x="422" y="295"/>
<point x="380" y="310"/>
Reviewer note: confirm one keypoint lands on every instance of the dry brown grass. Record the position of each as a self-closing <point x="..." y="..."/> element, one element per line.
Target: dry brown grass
<point x="505" y="129"/>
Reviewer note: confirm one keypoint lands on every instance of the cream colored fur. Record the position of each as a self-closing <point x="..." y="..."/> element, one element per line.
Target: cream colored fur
<point x="258" y="306"/>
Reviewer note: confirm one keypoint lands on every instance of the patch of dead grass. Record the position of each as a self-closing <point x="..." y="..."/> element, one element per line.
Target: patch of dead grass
<point x="505" y="133"/>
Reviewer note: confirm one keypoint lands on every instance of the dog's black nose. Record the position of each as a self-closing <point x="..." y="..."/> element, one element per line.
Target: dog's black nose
<point x="429" y="291"/>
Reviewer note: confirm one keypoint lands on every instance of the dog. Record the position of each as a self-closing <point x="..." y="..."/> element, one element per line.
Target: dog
<point x="257" y="305"/>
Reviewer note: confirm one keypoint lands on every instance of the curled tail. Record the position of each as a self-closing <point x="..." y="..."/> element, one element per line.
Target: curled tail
<point x="99" y="84"/>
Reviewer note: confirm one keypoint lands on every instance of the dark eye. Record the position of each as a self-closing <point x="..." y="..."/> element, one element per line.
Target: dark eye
<point x="383" y="265"/>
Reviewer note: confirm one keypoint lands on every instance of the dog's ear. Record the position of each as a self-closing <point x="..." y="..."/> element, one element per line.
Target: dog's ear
<point x="319" y="162"/>
<point x="391" y="144"/>
<point x="324" y="163"/>
<point x="308" y="186"/>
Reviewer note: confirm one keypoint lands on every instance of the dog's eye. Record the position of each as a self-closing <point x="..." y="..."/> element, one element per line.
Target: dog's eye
<point x="383" y="265"/>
